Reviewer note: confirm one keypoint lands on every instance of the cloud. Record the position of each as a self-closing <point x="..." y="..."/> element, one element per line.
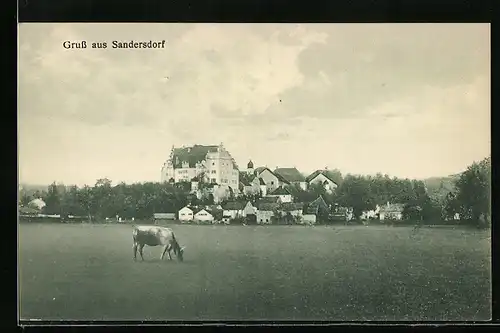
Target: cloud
<point x="409" y="100"/>
<point x="361" y="66"/>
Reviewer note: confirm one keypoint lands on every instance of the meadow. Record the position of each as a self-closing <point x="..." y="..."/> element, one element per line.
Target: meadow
<point x="341" y="273"/>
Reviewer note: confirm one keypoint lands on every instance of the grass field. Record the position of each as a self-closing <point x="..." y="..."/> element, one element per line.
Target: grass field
<point x="86" y="272"/>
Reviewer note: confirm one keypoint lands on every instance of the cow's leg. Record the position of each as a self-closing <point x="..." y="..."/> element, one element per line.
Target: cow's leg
<point x="135" y="250"/>
<point x="141" y="247"/>
<point x="163" y="252"/>
<point x="169" y="248"/>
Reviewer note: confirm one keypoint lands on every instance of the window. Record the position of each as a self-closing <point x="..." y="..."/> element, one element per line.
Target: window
<point x="213" y="163"/>
<point x="213" y="180"/>
<point x="213" y="171"/>
<point x="272" y="183"/>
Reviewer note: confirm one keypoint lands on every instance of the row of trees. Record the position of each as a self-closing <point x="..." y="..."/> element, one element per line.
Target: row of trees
<point x="470" y="198"/>
<point x="472" y="195"/>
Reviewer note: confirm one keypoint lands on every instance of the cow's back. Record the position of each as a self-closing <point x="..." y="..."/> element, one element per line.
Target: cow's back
<point x="152" y="235"/>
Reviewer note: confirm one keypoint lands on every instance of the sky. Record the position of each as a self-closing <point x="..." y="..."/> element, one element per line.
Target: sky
<point x="408" y="100"/>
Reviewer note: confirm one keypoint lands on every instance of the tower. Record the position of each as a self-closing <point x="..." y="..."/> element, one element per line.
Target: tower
<point x="250" y="168"/>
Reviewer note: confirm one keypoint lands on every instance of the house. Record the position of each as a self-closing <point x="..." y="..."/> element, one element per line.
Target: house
<point x="282" y="193"/>
<point x="260" y="185"/>
<point x="327" y="178"/>
<point x="203" y="215"/>
<point x="267" y="200"/>
<point x="391" y="211"/>
<point x="340" y="213"/>
<point x="186" y="214"/>
<point x="291" y="211"/>
<point x="370" y="214"/>
<point x="213" y="162"/>
<point x="291" y="176"/>
<point x="266" y="212"/>
<point x="236" y="209"/>
<point x="318" y="207"/>
<point x="308" y="219"/>
<point x="216" y="211"/>
<point x="270" y="180"/>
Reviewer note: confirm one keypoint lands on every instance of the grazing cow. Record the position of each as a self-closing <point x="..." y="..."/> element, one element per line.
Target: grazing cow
<point x="154" y="236"/>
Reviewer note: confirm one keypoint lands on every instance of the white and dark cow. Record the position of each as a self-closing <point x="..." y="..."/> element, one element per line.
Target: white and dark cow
<point x="155" y="236"/>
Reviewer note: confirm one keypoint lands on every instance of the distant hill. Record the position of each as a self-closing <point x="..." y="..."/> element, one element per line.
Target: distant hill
<point x="32" y="187"/>
<point x="439" y="187"/>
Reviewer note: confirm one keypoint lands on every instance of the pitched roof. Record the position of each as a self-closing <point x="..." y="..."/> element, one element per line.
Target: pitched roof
<point x="213" y="209"/>
<point x="199" y="209"/>
<point x="319" y="202"/>
<point x="259" y="170"/>
<point x="262" y="182"/>
<point x="234" y="205"/>
<point x="291" y="206"/>
<point x="244" y="182"/>
<point x="192" y="155"/>
<point x="267" y="206"/>
<point x="395" y="207"/>
<point x="188" y="207"/>
<point x="290" y="174"/>
<point x="281" y="178"/>
<point x="280" y="191"/>
<point x="267" y="200"/>
<point x="327" y="173"/>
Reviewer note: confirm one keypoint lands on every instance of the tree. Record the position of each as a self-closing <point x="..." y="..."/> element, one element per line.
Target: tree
<point x="102" y="198"/>
<point x="85" y="199"/>
<point x="473" y="191"/>
<point x="53" y="200"/>
<point x="355" y="192"/>
<point x="24" y="199"/>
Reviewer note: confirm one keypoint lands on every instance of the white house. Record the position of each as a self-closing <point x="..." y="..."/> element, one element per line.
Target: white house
<point x="265" y="212"/>
<point x="213" y="162"/>
<point x="308" y="219"/>
<point x="203" y="216"/>
<point x="237" y="209"/>
<point x="325" y="178"/>
<point x="269" y="179"/>
<point x="186" y="214"/>
<point x="291" y="176"/>
<point x="282" y="193"/>
<point x="391" y="211"/>
<point x="370" y="214"/>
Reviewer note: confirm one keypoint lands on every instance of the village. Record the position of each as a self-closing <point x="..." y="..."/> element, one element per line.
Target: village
<point x="217" y="191"/>
<point x="256" y="195"/>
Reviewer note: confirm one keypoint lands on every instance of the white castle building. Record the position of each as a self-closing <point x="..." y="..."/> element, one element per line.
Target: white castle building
<point x="214" y="163"/>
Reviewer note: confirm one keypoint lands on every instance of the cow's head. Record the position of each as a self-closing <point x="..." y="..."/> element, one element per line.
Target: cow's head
<point x="180" y="253"/>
